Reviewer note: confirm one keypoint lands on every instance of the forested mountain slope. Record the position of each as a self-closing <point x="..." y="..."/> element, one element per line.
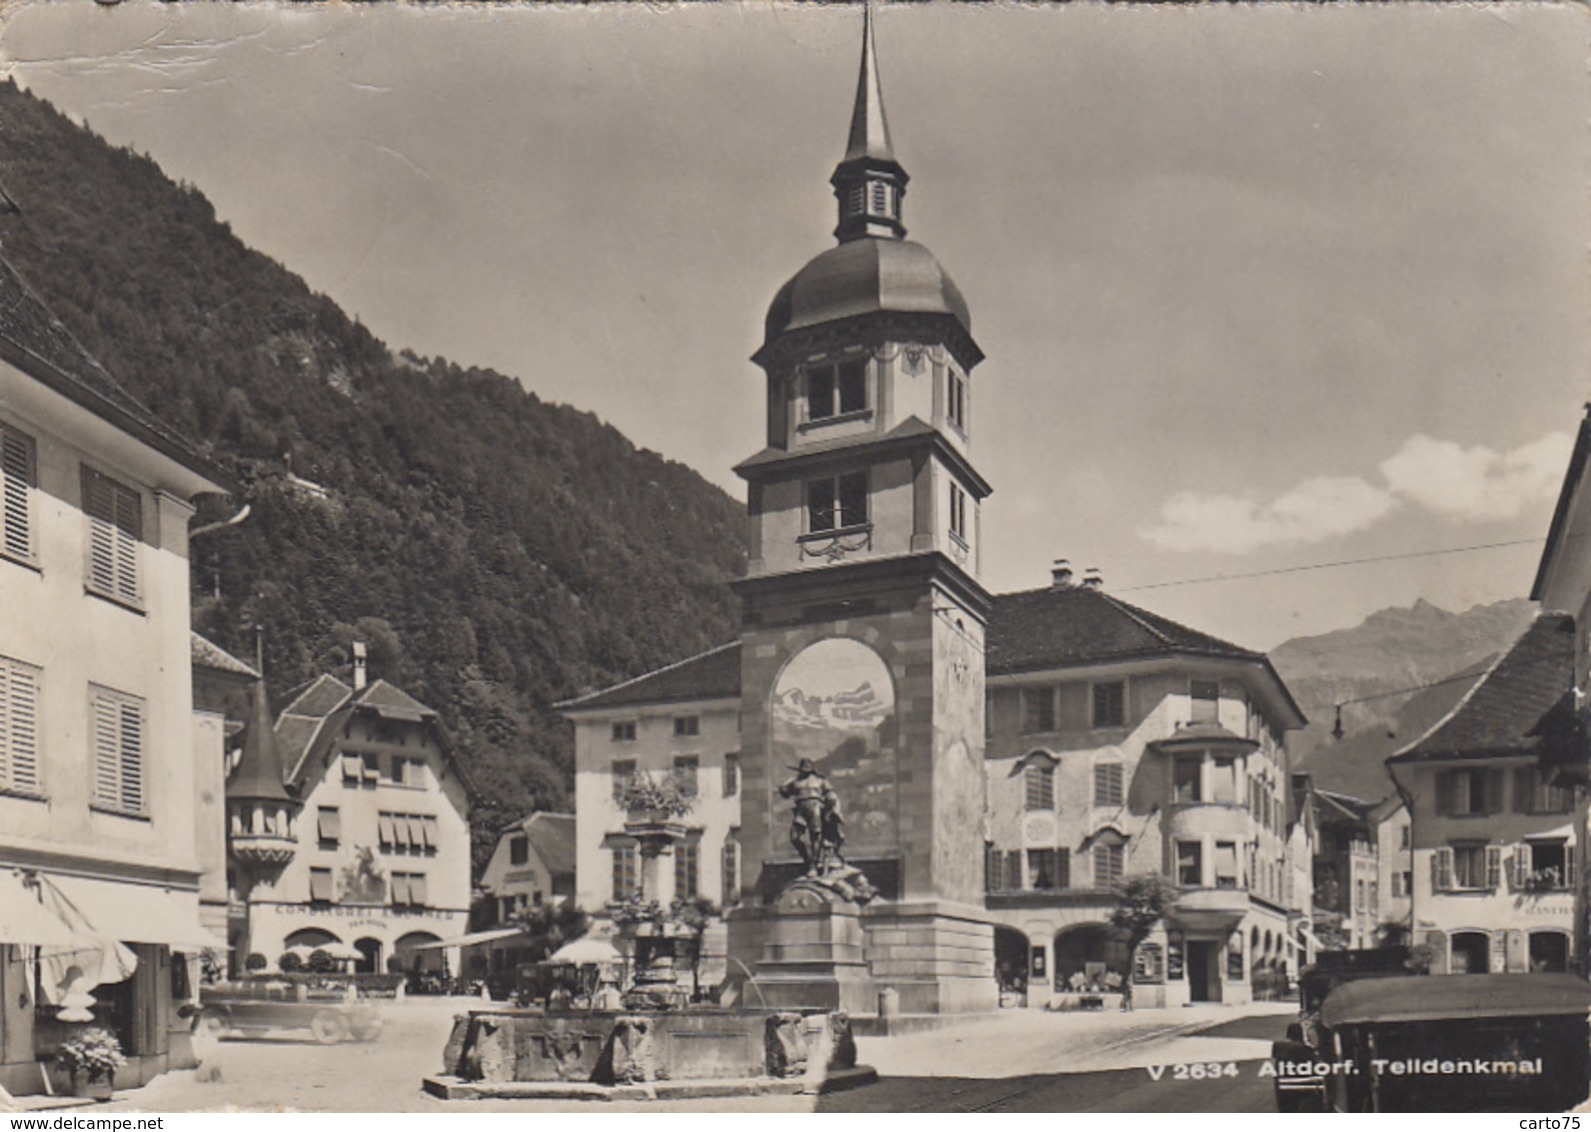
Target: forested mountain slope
<point x="497" y="551"/>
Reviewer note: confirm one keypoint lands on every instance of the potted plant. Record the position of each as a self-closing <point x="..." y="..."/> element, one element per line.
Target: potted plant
<point x="90" y="1057"/>
<point x="654" y="800"/>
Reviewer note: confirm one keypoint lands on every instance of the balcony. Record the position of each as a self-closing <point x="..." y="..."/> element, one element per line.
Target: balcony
<point x="1211" y="909"/>
<point x="261" y="848"/>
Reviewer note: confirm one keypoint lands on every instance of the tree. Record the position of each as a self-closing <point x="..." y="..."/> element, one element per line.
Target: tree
<point x="548" y="927"/>
<point x="1142" y="902"/>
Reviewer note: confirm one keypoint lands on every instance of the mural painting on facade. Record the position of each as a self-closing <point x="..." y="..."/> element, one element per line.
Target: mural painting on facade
<point x="835" y="705"/>
<point x="363" y="880"/>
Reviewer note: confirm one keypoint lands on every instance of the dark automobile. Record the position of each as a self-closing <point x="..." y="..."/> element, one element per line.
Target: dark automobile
<point x="1295" y="1060"/>
<point x="260" y="1006"/>
<point x="1457" y="1043"/>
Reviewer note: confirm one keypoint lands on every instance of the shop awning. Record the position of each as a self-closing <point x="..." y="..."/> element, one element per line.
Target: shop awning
<point x="24" y="920"/>
<point x="135" y="913"/>
<point x="469" y="940"/>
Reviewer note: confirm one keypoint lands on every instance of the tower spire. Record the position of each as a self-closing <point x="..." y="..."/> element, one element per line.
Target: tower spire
<point x="869" y="126"/>
<point x="868" y="182"/>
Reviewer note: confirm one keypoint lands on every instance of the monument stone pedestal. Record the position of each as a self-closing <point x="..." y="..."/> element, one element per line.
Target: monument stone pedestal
<point x="937" y="955"/>
<point x="813" y="948"/>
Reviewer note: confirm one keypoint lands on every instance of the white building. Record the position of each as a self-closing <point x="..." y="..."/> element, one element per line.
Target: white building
<point x="99" y="742"/>
<point x="1494" y="839"/>
<point x="368" y="847"/>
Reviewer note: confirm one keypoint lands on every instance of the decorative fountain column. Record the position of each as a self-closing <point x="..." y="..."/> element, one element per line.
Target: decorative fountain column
<point x="647" y="922"/>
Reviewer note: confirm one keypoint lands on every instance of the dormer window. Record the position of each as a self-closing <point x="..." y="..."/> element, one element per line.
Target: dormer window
<point x="836" y="390"/>
<point x="837" y="502"/>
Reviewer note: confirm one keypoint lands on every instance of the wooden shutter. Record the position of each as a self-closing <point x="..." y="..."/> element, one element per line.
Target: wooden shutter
<point x="1524" y="790"/>
<point x="1494" y="791"/>
<point x="1442" y="869"/>
<point x="731" y="869"/>
<point x="1522" y="868"/>
<point x="107" y="756"/>
<point x="418" y="892"/>
<point x="1494" y="867"/>
<point x="1063" y="868"/>
<point x="428" y="828"/>
<point x="131" y="751"/>
<point x="384" y="832"/>
<point x="16" y="481"/>
<point x="1568" y="866"/>
<point x="19" y="727"/>
<point x="400" y="829"/>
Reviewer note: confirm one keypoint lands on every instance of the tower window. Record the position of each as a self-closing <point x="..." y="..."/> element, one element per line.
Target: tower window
<point x="958" y="513"/>
<point x="956" y="401"/>
<point x="880" y="198"/>
<point x="856" y="200"/>
<point x="837" y="502"/>
<point x="835" y="390"/>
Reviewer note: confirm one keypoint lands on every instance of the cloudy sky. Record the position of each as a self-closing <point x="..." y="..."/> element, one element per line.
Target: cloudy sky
<point x="1260" y="287"/>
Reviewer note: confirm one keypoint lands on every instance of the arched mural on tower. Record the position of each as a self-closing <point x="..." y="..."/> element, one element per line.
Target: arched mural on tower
<point x="834" y="703"/>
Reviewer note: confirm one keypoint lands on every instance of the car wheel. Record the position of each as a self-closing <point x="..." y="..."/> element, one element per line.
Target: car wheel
<point x="369" y="1032"/>
<point x="329" y="1027"/>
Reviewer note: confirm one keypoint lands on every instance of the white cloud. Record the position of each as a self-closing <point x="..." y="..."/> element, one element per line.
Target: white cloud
<point x="1460" y="484"/>
<point x="1319" y="508"/>
<point x="1477" y="483"/>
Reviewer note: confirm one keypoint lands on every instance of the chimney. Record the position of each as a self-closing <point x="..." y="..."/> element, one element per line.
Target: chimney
<point x="1093" y="579"/>
<point x="1061" y="575"/>
<point x="359" y="666"/>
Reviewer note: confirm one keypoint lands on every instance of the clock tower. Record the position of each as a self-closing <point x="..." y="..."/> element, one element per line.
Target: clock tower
<point x="863" y="613"/>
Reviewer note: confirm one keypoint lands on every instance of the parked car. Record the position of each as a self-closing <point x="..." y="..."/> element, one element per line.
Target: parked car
<point x="1295" y="1060"/>
<point x="1458" y="1043"/>
<point x="264" y="1005"/>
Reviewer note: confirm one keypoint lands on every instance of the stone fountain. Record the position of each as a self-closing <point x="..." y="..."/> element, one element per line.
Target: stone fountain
<point x="658" y="1044"/>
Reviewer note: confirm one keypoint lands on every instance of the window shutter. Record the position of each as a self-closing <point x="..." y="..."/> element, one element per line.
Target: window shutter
<point x="418" y="890"/>
<point x="428" y="827"/>
<point x="16" y="476"/>
<point x="106" y="756"/>
<point x="1494" y="791"/>
<point x="384" y="829"/>
<point x="1568" y="866"/>
<point x="1446" y="783"/>
<point x="1524" y="790"/>
<point x="1494" y="867"/>
<point x="1063" y="868"/>
<point x="416" y="832"/>
<point x="1442" y="869"/>
<point x="1522" y="868"/>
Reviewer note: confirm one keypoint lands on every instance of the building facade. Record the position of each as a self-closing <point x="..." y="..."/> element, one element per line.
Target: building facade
<point x="1347" y="871"/>
<point x="532" y="865"/>
<point x="99" y="743"/>
<point x="1495" y="838"/>
<point x="1120" y="743"/>
<point x="363" y="842"/>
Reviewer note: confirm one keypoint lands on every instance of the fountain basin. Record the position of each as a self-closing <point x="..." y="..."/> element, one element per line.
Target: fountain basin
<point x="610" y="1055"/>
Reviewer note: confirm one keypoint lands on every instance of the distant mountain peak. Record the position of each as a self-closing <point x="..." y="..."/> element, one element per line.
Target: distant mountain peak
<point x="1382" y="670"/>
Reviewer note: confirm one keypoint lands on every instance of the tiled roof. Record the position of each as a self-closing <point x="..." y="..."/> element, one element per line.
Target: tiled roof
<point x="37" y="342"/>
<point x="714" y="674"/>
<point x="552" y="836"/>
<point x="1056" y="628"/>
<point x="1037" y="629"/>
<point x="1505" y="712"/>
<point x="208" y="654"/>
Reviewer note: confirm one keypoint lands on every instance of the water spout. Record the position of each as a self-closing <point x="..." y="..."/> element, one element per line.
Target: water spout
<point x="750" y="980"/>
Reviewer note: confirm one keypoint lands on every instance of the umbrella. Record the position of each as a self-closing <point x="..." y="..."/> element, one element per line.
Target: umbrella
<point x="586" y="950"/>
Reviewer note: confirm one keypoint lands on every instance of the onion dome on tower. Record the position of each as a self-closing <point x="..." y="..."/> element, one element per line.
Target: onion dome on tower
<point x="875" y="268"/>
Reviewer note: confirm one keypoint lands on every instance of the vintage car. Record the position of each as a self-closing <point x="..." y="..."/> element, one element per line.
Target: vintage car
<point x="263" y="1005"/>
<point x="1295" y="1061"/>
<point x="1457" y="1043"/>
